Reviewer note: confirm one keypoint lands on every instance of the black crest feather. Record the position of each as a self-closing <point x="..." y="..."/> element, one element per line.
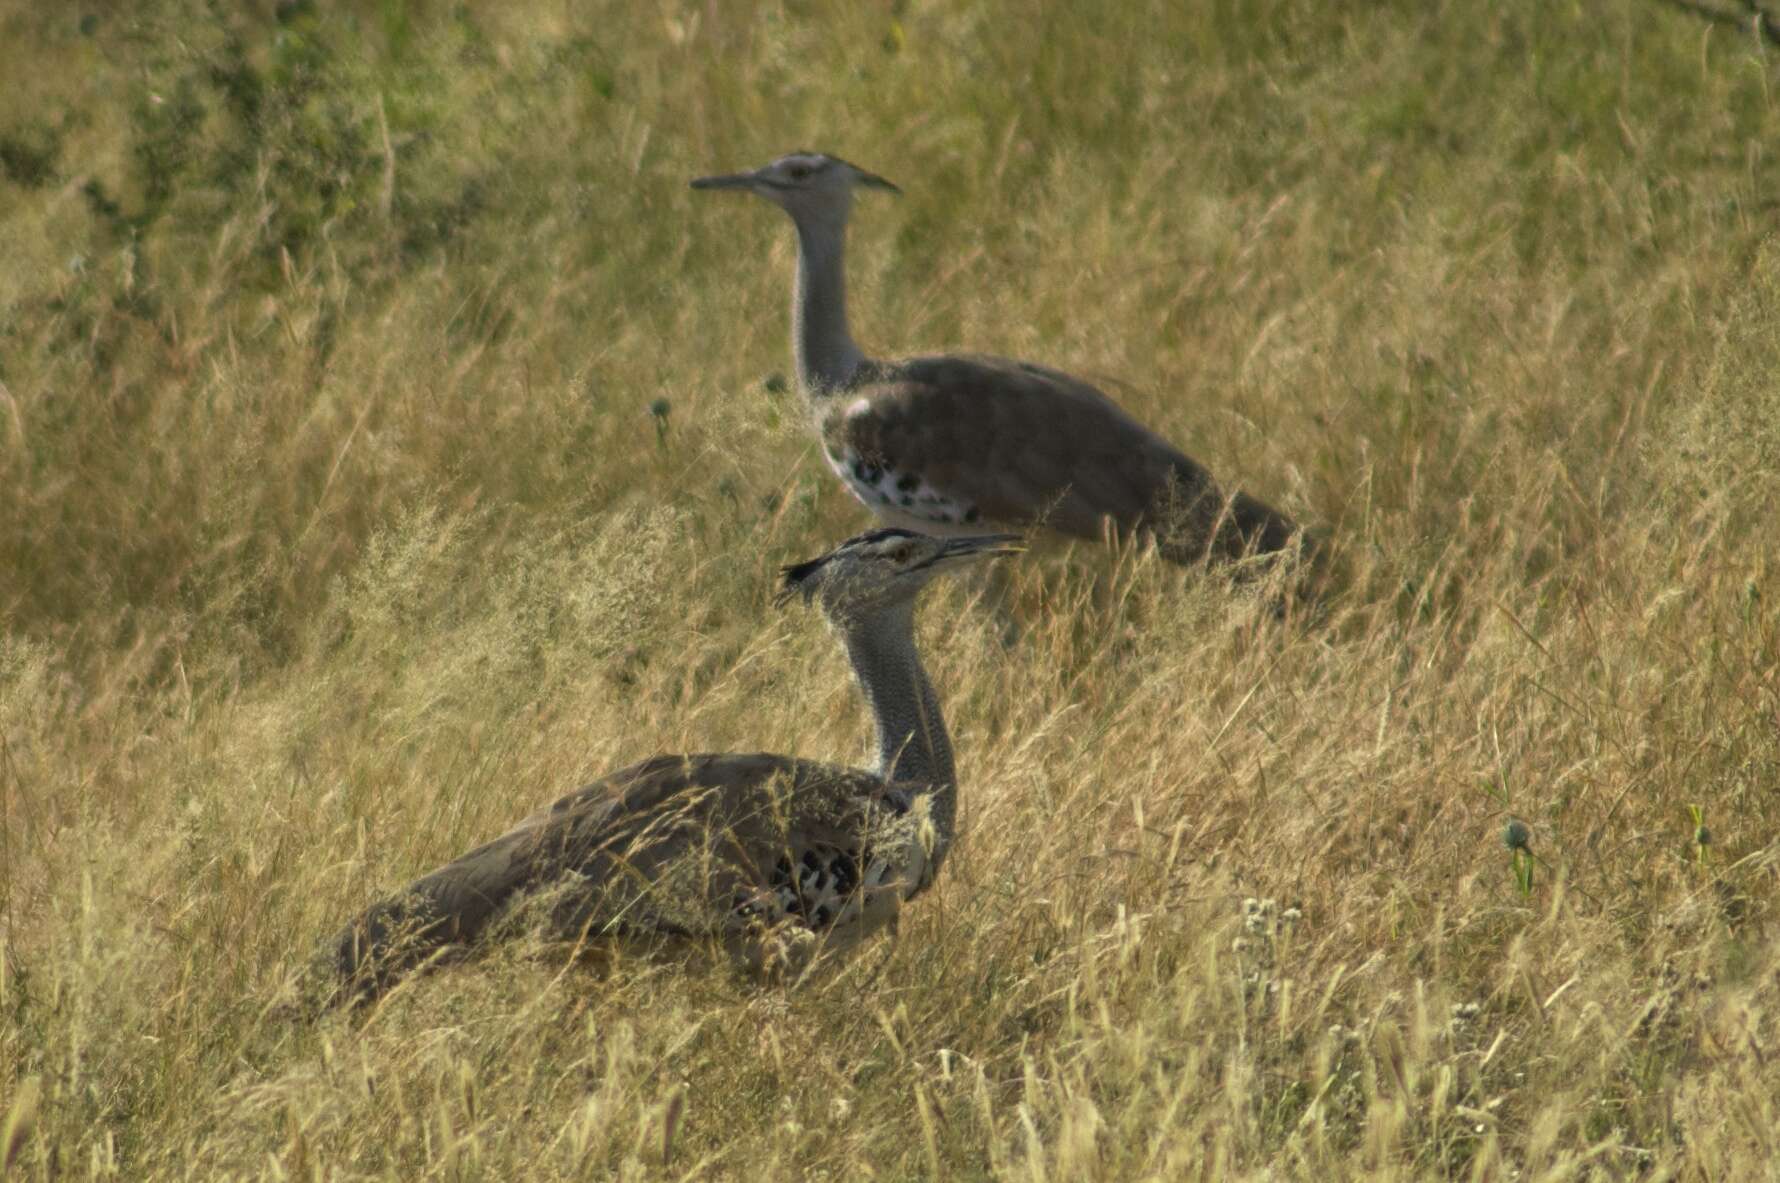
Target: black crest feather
<point x="796" y="579"/>
<point x="797" y="575"/>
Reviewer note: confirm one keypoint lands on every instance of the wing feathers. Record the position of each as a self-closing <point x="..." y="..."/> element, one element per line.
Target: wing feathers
<point x="1022" y="444"/>
<point x="674" y="845"/>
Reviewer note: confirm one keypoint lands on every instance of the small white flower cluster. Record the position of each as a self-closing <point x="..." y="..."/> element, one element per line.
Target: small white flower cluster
<point x="1264" y="925"/>
<point x="1264" y="917"/>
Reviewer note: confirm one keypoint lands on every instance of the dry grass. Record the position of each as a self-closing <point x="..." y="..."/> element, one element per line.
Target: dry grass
<point x="336" y="534"/>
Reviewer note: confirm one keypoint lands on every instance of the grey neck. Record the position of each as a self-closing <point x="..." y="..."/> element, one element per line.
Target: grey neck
<point x="913" y="746"/>
<point x="826" y="355"/>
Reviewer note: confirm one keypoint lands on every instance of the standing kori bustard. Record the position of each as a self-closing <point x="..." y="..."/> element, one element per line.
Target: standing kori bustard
<point x="759" y="851"/>
<point x="949" y="442"/>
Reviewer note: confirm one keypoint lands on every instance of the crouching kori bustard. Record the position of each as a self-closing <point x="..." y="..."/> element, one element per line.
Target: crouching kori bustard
<point x="766" y="854"/>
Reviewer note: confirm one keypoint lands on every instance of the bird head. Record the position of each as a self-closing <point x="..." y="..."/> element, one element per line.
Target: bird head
<point x="803" y="184"/>
<point x="883" y="569"/>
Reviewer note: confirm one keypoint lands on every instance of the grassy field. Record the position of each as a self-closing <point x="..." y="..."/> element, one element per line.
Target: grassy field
<point x="336" y="532"/>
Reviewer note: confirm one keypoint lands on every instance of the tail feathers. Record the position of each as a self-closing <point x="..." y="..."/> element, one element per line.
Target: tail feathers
<point x="1198" y="521"/>
<point x="432" y="917"/>
<point x="1259" y="528"/>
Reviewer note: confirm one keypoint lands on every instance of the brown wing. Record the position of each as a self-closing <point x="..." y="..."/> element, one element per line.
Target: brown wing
<point x="673" y="845"/>
<point x="1014" y="443"/>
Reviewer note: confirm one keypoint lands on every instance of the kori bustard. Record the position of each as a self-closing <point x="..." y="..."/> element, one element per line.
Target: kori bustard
<point x="950" y="442"/>
<point x="765" y="853"/>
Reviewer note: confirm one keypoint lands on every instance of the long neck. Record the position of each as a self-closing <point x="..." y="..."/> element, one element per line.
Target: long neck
<point x="913" y="746"/>
<point x="826" y="355"/>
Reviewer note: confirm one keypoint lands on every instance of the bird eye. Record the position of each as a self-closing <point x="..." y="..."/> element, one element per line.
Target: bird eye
<point x="902" y="553"/>
<point x="798" y="172"/>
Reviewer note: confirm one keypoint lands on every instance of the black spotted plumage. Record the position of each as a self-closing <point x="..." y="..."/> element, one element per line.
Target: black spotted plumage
<point x="823" y="885"/>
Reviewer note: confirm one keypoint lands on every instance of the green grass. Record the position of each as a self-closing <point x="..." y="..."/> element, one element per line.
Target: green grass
<point x="336" y="533"/>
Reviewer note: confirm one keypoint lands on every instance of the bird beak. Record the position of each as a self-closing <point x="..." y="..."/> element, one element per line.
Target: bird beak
<point x="727" y="181"/>
<point x="981" y="546"/>
<point x="874" y="181"/>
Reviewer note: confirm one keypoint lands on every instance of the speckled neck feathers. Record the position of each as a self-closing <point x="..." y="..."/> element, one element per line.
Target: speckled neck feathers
<point x="824" y="349"/>
<point x="913" y="745"/>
